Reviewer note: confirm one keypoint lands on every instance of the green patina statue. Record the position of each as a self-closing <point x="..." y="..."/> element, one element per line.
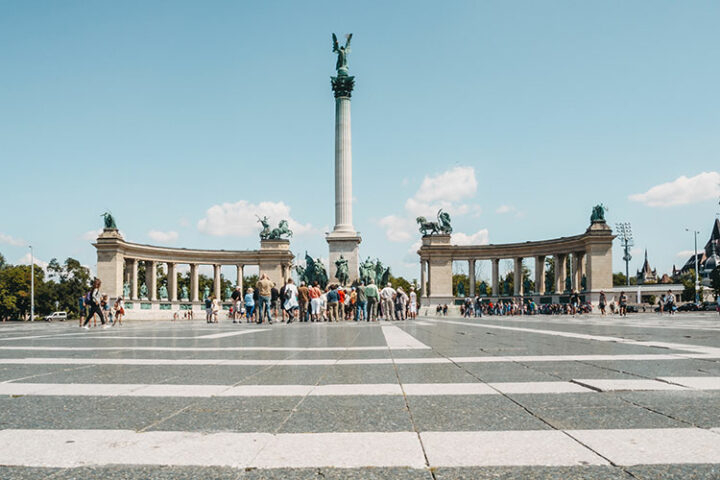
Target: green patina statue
<point x="206" y="292"/>
<point x="276" y="233"/>
<point x="266" y="227"/>
<point x="442" y="226"/>
<point x="598" y="214"/>
<point x="143" y="291"/>
<point x="482" y="289"/>
<point x="342" y="54"/>
<point x="163" y="292"/>
<point x="109" y="221"/>
<point x="314" y="271"/>
<point x="367" y="271"/>
<point x="184" y="294"/>
<point x="461" y="289"/>
<point x="228" y="293"/>
<point x="342" y="270"/>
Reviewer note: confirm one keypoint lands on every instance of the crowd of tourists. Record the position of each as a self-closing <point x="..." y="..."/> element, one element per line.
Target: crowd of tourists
<point x="311" y="303"/>
<point x="97" y="305"/>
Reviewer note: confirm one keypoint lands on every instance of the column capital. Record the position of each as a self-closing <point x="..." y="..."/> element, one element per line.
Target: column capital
<point x="343" y="85"/>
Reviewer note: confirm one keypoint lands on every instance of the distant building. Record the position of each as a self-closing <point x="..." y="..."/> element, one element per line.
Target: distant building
<point x="707" y="258"/>
<point x="646" y="274"/>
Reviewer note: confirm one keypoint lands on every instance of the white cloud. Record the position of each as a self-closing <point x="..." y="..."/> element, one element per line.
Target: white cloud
<point x="163" y="237"/>
<point x="17" y="242"/>
<point x="91" y="235"/>
<point x="685" y="253"/>
<point x="25" y="260"/>
<point x="239" y="219"/>
<point x="445" y="191"/>
<point x="397" y="229"/>
<point x="481" y="237"/>
<point x="681" y="191"/>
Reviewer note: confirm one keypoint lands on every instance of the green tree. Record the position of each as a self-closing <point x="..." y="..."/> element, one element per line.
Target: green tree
<point x="550" y="274"/>
<point x="620" y="280"/>
<point x="400" y="282"/>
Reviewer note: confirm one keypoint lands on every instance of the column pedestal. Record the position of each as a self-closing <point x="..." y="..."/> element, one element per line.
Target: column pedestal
<point x="347" y="246"/>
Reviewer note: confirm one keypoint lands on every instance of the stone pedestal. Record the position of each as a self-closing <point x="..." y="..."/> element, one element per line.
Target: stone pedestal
<point x="110" y="262"/>
<point x="347" y="246"/>
<point x="272" y="265"/>
<point x="439" y="270"/>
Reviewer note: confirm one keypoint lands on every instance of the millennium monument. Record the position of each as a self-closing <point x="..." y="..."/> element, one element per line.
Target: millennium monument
<point x="343" y="241"/>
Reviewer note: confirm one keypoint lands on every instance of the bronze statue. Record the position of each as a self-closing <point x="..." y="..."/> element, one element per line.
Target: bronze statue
<point x="598" y="214"/>
<point x="367" y="271"/>
<point x="184" y="294"/>
<point x="266" y="227"/>
<point x="109" y="220"/>
<point x="314" y="271"/>
<point x="126" y="290"/>
<point x="277" y="233"/>
<point x="442" y="226"/>
<point x="342" y="54"/>
<point x="342" y="270"/>
<point x="143" y="291"/>
<point x="163" y="292"/>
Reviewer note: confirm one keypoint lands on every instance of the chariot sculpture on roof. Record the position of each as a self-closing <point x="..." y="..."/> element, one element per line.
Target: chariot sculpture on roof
<point x="441" y="227"/>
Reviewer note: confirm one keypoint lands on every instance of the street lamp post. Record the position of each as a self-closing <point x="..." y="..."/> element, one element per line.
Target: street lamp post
<point x="32" y="285"/>
<point x="625" y="237"/>
<point x="697" y="277"/>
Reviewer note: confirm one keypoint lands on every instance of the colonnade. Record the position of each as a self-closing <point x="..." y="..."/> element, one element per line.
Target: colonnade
<point x="590" y="257"/>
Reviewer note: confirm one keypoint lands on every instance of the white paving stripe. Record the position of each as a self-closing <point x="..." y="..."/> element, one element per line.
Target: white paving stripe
<point x="356" y="389"/>
<point x="397" y="339"/>
<point x="653" y="446"/>
<point x="76" y="448"/>
<point x="331" y="361"/>
<point x="599" y="338"/>
<point x="474" y="449"/>
<point x="212" y="349"/>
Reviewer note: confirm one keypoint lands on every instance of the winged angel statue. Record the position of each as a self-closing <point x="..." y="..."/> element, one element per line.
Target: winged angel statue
<point x="342" y="52"/>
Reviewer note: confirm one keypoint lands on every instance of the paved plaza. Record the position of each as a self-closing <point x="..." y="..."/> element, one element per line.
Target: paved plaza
<point x="437" y="398"/>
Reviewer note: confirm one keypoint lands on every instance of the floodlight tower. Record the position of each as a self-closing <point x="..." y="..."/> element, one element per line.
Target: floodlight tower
<point x="697" y="279"/>
<point x="626" y="239"/>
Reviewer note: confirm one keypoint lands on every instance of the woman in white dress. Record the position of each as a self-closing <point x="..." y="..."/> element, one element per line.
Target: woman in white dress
<point x="412" y="310"/>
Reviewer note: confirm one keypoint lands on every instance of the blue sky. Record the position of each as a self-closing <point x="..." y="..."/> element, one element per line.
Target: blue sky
<point x="187" y="118"/>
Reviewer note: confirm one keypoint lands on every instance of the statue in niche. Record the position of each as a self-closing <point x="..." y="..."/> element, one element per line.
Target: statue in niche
<point x="163" y="292"/>
<point x="126" y="290"/>
<point x="228" y="293"/>
<point x="526" y="287"/>
<point x="143" y="291"/>
<point x="568" y="284"/>
<point x="184" y="294"/>
<point x="206" y="292"/>
<point x="461" y="289"/>
<point x="342" y="270"/>
<point x="482" y="289"/>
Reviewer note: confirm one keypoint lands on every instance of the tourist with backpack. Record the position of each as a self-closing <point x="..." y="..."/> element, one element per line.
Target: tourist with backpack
<point x="290" y="303"/>
<point x="92" y="300"/>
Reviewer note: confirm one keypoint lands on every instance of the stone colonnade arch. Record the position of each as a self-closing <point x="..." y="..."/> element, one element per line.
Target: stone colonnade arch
<point x="592" y="248"/>
<point x="118" y="260"/>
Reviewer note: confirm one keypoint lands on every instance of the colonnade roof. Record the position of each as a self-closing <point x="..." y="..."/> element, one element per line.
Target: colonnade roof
<point x="155" y="253"/>
<point x="555" y="246"/>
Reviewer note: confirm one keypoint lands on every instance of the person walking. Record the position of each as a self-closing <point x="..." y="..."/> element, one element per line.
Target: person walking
<point x="215" y="309"/>
<point x="303" y="301"/>
<point x="670" y="302"/>
<point x="275" y="302"/>
<point x="208" y="309"/>
<point x="602" y="302"/>
<point x="265" y="286"/>
<point x="291" y="302"/>
<point x="401" y="300"/>
<point x="388" y="295"/>
<point x="373" y="295"/>
<point x="119" y="310"/>
<point x="623" y="304"/>
<point x="92" y="300"/>
<point x="236" y="297"/>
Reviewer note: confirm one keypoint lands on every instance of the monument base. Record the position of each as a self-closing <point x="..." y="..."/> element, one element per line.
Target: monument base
<point x="345" y="244"/>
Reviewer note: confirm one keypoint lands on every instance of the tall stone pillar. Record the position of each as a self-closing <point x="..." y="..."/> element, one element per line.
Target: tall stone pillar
<point x="471" y="274"/>
<point x="151" y="279"/>
<point x="194" y="283"/>
<point x="239" y="282"/>
<point x="495" y="276"/>
<point x="560" y="273"/>
<point x="172" y="281"/>
<point x="540" y="274"/>
<point x="343" y="240"/>
<point x="134" y="279"/>
<point x="216" y="281"/>
<point x="518" y="277"/>
<point x="110" y="261"/>
<point x="422" y="278"/>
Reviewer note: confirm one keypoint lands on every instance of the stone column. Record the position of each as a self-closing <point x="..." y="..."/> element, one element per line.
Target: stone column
<point x="518" y="277"/>
<point x="110" y="261"/>
<point x="471" y="274"/>
<point x="216" y="281"/>
<point x="560" y="273"/>
<point x="540" y="274"/>
<point x="495" y="276"/>
<point x="151" y="279"/>
<point x="172" y="281"/>
<point x="194" y="283"/>
<point x="134" y="279"/>
<point x="429" y="279"/>
<point x="578" y="266"/>
<point x="239" y="282"/>
<point x="422" y="278"/>
<point x="343" y="241"/>
<point x="576" y="269"/>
